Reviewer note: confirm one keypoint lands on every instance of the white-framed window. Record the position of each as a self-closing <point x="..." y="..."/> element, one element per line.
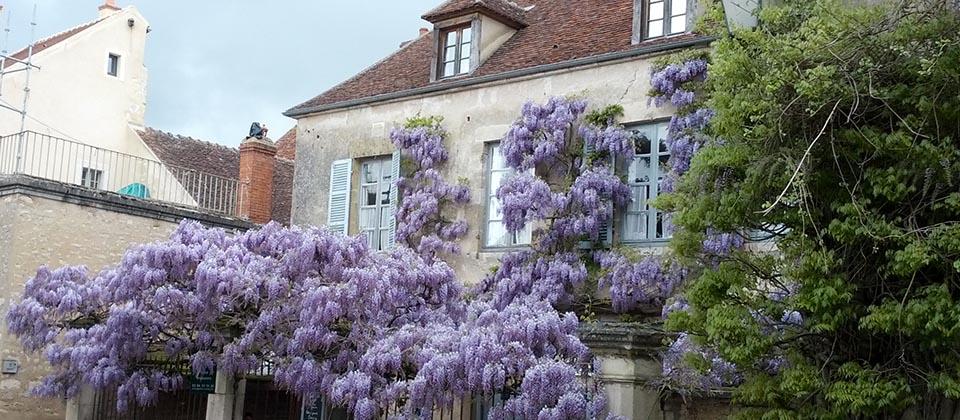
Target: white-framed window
<point x="376" y="210"/>
<point x="641" y="221"/>
<point x="113" y="64"/>
<point x="455" y="51"/>
<point x="495" y="232"/>
<point x="91" y="178"/>
<point x="664" y="17"/>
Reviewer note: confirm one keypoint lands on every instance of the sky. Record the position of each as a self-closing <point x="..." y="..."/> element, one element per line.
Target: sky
<point x="215" y="66"/>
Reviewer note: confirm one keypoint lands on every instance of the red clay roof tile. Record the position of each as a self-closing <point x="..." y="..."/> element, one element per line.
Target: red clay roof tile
<point x="557" y="31"/>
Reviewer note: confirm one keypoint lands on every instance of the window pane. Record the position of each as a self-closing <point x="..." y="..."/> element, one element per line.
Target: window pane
<point x="678" y="24"/>
<point x="496" y="180"/>
<point x="465" y="51"/>
<point x="384" y="238"/>
<point x="450" y="54"/>
<point x="656" y="11"/>
<point x="368" y="218"/>
<point x="525" y="236"/>
<point x="385" y="194"/>
<point x="465" y="66"/>
<point x="655" y="28"/>
<point x="368" y="236"/>
<point x="643" y="140"/>
<point x="497" y="234"/>
<point x="451" y="38"/>
<point x="370" y="172"/>
<point x="639" y="170"/>
<point x="467" y="35"/>
<point x="640" y="195"/>
<point x="448" y="69"/>
<point x="664" y="165"/>
<point x="368" y="195"/>
<point x="678" y="7"/>
<point x="496" y="161"/>
<point x="385" y="213"/>
<point x="635" y="227"/>
<point x="493" y="209"/>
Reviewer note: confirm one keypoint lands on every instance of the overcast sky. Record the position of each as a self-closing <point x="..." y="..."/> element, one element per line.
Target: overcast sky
<point x="218" y="65"/>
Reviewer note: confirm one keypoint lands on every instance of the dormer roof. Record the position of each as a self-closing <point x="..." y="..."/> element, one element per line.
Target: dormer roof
<point x="508" y="12"/>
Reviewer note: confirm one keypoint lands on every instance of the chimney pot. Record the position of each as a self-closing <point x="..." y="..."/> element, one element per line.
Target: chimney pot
<point x="107" y="8"/>
<point x="257" y="164"/>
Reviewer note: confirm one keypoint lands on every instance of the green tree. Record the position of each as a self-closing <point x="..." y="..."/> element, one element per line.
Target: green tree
<point x="840" y="160"/>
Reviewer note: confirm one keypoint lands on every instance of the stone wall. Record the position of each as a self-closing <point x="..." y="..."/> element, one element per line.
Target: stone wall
<point x="36" y="231"/>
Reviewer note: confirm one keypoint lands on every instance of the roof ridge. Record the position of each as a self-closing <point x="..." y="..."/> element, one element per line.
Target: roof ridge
<point x="374" y="65"/>
<point x="77" y="28"/>
<point x="193" y="139"/>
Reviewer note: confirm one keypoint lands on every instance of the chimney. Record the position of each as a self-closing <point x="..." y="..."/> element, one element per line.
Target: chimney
<point x="107" y="8"/>
<point x="257" y="160"/>
<point x="424" y="31"/>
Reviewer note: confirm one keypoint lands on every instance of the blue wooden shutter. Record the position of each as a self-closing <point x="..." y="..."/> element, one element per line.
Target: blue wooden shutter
<point x="338" y="208"/>
<point x="394" y="199"/>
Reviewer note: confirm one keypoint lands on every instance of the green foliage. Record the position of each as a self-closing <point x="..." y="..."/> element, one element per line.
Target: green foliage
<point x="841" y="148"/>
<point x="604" y="116"/>
<point x="431" y="121"/>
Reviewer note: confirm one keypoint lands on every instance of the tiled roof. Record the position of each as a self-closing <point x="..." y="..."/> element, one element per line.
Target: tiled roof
<point x="503" y="9"/>
<point x="219" y="160"/>
<point x="287" y="145"/>
<point x="48" y="42"/>
<point x="557" y="31"/>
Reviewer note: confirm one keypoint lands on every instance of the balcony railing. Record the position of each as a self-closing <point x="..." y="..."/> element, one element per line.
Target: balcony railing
<point x="70" y="162"/>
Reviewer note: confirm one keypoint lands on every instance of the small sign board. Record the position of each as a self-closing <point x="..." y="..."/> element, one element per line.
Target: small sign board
<point x="312" y="411"/>
<point x="203" y="383"/>
<point x="10" y="366"/>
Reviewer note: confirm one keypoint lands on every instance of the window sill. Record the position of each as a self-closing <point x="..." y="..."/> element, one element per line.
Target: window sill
<point x="653" y="243"/>
<point x="503" y="249"/>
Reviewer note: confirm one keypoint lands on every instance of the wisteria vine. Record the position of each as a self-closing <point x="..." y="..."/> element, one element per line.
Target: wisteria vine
<point x="423" y="192"/>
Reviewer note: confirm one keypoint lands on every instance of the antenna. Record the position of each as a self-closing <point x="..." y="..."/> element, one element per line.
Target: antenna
<point x="6" y="35"/>
<point x="26" y="89"/>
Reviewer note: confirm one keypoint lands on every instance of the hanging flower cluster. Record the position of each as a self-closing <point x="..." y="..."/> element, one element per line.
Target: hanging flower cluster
<point x="650" y="280"/>
<point x="366" y="330"/>
<point x="420" y="220"/>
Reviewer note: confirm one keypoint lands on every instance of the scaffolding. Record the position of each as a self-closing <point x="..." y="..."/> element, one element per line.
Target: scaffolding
<point x="18" y="65"/>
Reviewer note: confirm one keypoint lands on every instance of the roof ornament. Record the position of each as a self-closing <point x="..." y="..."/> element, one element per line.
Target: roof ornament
<point x="257" y="130"/>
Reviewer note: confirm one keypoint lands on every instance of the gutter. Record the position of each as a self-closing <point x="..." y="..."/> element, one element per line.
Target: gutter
<point x="704" y="40"/>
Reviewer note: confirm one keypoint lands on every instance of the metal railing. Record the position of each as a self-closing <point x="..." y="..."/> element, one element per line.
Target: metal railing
<point x="56" y="159"/>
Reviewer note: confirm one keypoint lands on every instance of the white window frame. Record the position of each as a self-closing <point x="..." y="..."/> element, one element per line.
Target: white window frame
<point x="462" y="50"/>
<point x="645" y="177"/>
<point x="492" y="214"/>
<point x="378" y="234"/>
<point x="100" y="181"/>
<point x="670" y="12"/>
<point x="119" y="72"/>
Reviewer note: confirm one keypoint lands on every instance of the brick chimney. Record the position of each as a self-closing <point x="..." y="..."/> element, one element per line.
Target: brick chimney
<point x="257" y="160"/>
<point x="107" y="8"/>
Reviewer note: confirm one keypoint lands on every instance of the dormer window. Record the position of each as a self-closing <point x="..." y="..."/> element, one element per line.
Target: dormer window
<point x="665" y="17"/>
<point x="456" y="43"/>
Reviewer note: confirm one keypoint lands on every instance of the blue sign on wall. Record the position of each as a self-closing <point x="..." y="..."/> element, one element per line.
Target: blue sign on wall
<point x="312" y="411"/>
<point x="203" y="383"/>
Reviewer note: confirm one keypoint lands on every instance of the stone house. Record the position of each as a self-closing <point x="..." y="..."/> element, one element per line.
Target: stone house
<point x="476" y="67"/>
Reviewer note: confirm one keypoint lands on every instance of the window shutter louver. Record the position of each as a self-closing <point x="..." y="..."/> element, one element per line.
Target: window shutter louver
<point x="338" y="208"/>
<point x="394" y="199"/>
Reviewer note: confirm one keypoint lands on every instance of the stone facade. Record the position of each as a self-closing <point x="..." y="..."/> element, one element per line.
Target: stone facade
<point x="46" y="223"/>
<point x="474" y="117"/>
